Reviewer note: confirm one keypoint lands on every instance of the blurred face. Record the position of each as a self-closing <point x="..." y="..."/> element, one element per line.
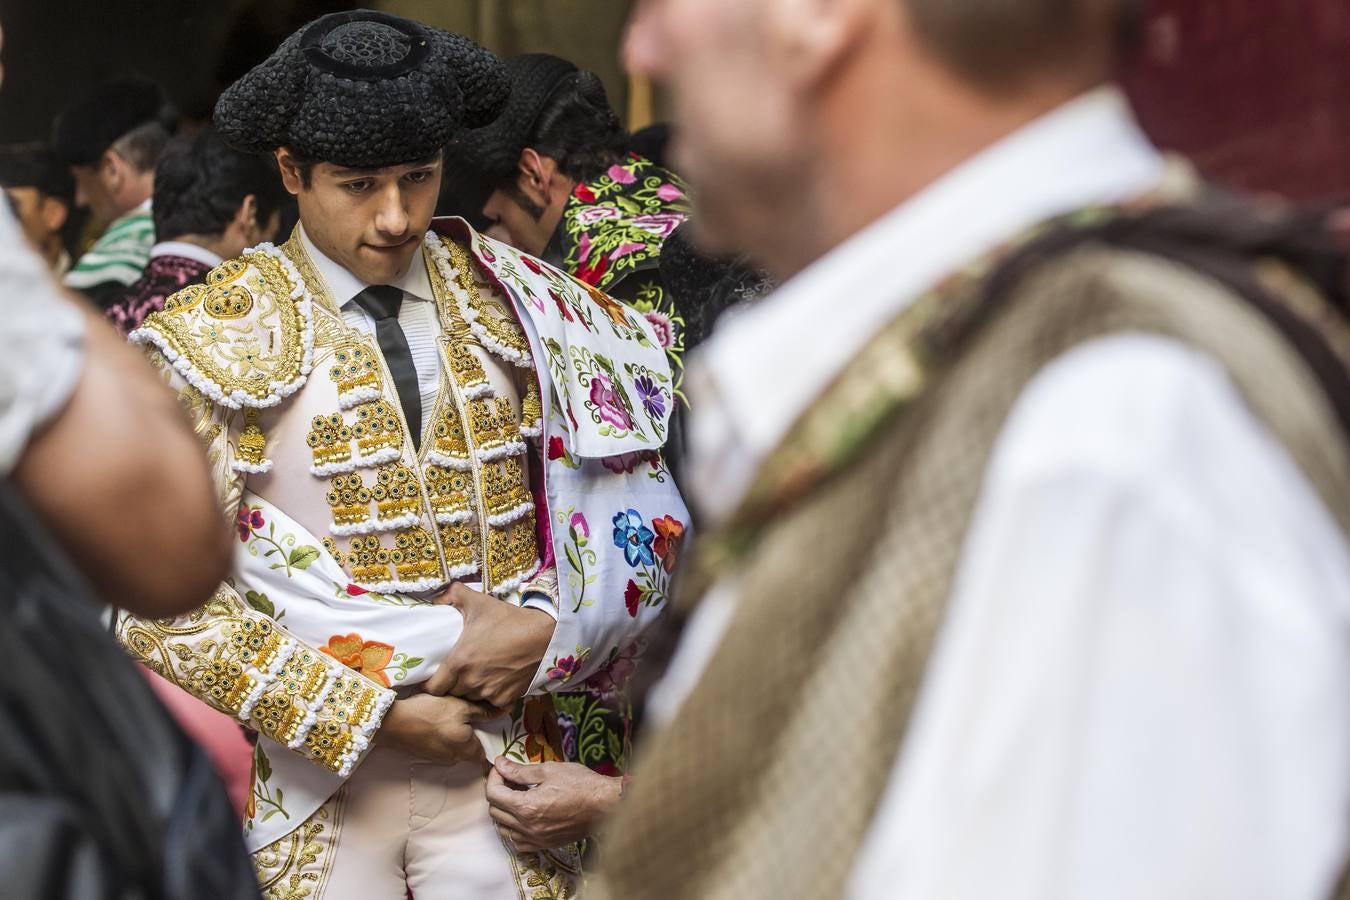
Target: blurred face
<point x="740" y="135"/>
<point x="370" y="221"/>
<point x="527" y="212"/>
<point x="40" y="216"/>
<point x="94" y="191"/>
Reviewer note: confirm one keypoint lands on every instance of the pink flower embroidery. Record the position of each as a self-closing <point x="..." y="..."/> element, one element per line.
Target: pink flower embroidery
<point x="659" y="224"/>
<point x="664" y="328"/>
<point x="580" y="525"/>
<point x="592" y="214"/>
<point x="621" y="175"/>
<point x="607" y="403"/>
<point x="625" y="249"/>
<point x="669" y="192"/>
<point x="607" y="684"/>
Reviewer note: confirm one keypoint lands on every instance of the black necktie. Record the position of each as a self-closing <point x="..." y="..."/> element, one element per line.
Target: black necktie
<point x="382" y="301"/>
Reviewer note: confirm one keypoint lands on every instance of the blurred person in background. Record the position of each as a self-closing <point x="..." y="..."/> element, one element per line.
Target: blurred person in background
<point x="1026" y="495"/>
<point x="112" y="138"/>
<point x="41" y="194"/>
<point x="563" y="186"/>
<point x="210" y="204"/>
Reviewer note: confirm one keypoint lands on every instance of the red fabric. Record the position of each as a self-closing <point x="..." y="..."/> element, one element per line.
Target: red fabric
<point x="219" y="735"/>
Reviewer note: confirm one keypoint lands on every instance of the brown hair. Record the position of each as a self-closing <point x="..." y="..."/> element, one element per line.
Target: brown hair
<point x="1000" y="44"/>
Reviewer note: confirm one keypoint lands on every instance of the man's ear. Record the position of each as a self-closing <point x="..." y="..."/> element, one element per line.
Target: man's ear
<point x="113" y="170"/>
<point x="246" y="216"/>
<point x="290" y="171"/>
<point x="536" y="173"/>
<point x="815" y="36"/>
<point x="54" y="213"/>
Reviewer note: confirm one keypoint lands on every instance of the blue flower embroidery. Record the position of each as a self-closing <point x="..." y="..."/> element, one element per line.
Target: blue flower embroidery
<point x="634" y="538"/>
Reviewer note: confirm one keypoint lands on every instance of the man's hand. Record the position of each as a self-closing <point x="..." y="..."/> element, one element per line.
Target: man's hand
<point x="549" y="805"/>
<point x="439" y="729"/>
<point x="498" y="653"/>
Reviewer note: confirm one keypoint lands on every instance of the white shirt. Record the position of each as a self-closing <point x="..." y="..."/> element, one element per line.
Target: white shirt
<point x="187" y="251"/>
<point x="1140" y="689"/>
<point x="41" y="344"/>
<point x="417" y="316"/>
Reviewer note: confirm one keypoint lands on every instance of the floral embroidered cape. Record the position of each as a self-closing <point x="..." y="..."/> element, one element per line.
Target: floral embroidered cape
<point x="611" y="234"/>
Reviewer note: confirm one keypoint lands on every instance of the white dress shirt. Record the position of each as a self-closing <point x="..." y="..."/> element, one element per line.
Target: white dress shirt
<point x="186" y="251"/>
<point x="1141" y="687"/>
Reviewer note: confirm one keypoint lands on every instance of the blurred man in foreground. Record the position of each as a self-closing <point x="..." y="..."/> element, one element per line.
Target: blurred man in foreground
<point x="1028" y="492"/>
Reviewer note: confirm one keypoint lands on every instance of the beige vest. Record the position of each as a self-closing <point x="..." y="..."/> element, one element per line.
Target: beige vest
<point x="758" y="791"/>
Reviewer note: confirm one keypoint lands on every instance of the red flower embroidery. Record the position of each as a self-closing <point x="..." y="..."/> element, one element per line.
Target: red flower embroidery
<point x="355" y="590"/>
<point x="584" y="194"/>
<point x="632" y="596"/>
<point x="556" y="450"/>
<point x="592" y="273"/>
<point x="562" y="306"/>
<point x="530" y="264"/>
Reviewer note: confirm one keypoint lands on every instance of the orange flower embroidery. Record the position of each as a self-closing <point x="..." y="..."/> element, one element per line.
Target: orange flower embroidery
<point x="613" y="308"/>
<point x="367" y="657"/>
<point x="669" y="533"/>
<point x="543" y="737"/>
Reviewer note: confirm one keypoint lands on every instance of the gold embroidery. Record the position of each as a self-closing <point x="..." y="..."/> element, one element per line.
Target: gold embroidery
<point x="450" y="491"/>
<point x="459" y="543"/>
<point x="504" y="487"/>
<point x="448" y="436"/>
<point x="396" y="492"/>
<point x="465" y="366"/>
<point x="252" y="444"/>
<point x="349" y="499"/>
<point x="532" y="407"/>
<point x="368" y="560"/>
<point x="492" y="423"/>
<point x="330" y="440"/>
<point x="355" y="368"/>
<point x="511" y="553"/>
<point x="297" y="866"/>
<point x="501" y="328"/>
<point x="415" y="556"/>
<point x="239" y="339"/>
<point x="377" y="427"/>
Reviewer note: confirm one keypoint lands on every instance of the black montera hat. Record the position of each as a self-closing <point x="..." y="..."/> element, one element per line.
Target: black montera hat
<point x="363" y="89"/>
<point x="92" y="124"/>
<point x="493" y="150"/>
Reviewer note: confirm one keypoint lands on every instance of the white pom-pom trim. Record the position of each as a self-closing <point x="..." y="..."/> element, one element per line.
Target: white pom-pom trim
<point x="441" y="258"/>
<point x="458" y="463"/>
<point x="371" y="526"/>
<point x="355" y="398"/>
<point x="261" y="468"/>
<point x="512" y="515"/>
<point x="361" y="737"/>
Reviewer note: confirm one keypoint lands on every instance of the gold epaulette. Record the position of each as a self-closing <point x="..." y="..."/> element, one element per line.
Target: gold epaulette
<point x="245" y="338"/>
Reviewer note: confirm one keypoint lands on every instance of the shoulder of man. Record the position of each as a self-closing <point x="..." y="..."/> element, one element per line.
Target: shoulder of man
<point x="616" y="224"/>
<point x="245" y="337"/>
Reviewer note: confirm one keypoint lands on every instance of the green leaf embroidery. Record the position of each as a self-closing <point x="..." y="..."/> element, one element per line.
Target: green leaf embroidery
<point x="415" y="661"/>
<point x="302" y="557"/>
<point x="262" y="604"/>
<point x="264" y="767"/>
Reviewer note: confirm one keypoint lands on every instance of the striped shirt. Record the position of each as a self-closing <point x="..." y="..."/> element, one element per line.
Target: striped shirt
<point x="119" y="255"/>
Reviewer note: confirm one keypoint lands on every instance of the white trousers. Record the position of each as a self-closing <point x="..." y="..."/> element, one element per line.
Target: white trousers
<point x="398" y="825"/>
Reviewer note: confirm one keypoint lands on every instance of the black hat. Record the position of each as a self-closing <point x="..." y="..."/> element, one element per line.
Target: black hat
<point x="35" y="166"/>
<point x="363" y="89"/>
<point x="92" y="124"/>
<point x="493" y="150"/>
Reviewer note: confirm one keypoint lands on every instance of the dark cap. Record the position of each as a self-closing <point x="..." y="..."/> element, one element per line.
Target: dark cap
<point x="363" y="89"/>
<point x="35" y="166"/>
<point x="492" y="151"/>
<point x="92" y="124"/>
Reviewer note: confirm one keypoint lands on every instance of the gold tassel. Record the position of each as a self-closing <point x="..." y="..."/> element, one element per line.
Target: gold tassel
<point x="252" y="442"/>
